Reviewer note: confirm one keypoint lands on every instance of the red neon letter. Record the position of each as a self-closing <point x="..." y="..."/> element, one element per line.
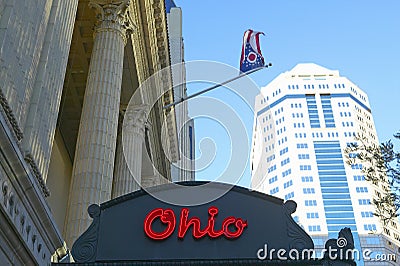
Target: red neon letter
<point x="185" y="224"/>
<point x="166" y="216"/>
<point x="213" y="211"/>
<point x="239" y="224"/>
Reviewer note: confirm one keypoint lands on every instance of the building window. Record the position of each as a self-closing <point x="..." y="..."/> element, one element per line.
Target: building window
<point x="310" y="202"/>
<point x="307" y="179"/>
<point x="303" y="156"/>
<point x="270" y="158"/>
<point x="312" y="215"/>
<point x="367" y="214"/>
<point x="283" y="151"/>
<point x="284" y="162"/>
<point x="272" y="168"/>
<point x="361" y="189"/>
<point x="273" y="179"/>
<point x="314" y="228"/>
<point x="287" y="172"/>
<point x="302" y="146"/>
<point x="308" y="190"/>
<point x="394" y="224"/>
<point x="364" y="201"/>
<point x="288" y="184"/>
<point x="369" y="227"/>
<point x="289" y="195"/>
<point x="353" y="154"/>
<point x="305" y="167"/>
<point x="312" y="111"/>
<point x="387" y="231"/>
<point x="327" y="110"/>
<point x="274" y="190"/>
<point x="356" y="166"/>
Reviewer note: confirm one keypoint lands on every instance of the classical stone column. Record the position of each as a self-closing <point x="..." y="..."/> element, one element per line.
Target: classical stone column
<point x="95" y="147"/>
<point x="129" y="152"/>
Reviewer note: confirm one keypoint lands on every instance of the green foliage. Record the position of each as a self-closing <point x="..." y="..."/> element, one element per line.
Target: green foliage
<point x="381" y="167"/>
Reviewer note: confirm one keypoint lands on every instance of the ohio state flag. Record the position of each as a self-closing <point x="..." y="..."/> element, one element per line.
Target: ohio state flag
<point x="251" y="53"/>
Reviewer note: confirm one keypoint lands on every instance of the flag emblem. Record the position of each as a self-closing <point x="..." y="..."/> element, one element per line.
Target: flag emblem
<point x="251" y="53"/>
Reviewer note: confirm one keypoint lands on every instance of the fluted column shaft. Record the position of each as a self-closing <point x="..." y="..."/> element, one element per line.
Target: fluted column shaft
<point x="95" y="148"/>
<point x="128" y="168"/>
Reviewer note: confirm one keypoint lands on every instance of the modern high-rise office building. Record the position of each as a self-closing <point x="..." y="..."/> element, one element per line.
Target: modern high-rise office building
<point x="304" y="119"/>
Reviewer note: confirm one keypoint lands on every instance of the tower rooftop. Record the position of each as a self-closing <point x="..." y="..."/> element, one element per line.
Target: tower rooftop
<point x="311" y="69"/>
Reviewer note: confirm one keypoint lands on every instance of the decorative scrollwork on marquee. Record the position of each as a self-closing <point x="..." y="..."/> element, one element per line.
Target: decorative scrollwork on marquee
<point x="85" y="247"/>
<point x="299" y="239"/>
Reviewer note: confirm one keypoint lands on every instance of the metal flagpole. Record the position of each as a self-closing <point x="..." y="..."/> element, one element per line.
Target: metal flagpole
<point x="216" y="86"/>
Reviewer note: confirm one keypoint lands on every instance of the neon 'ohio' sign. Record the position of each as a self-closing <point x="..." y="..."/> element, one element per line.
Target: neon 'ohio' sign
<point x="232" y="227"/>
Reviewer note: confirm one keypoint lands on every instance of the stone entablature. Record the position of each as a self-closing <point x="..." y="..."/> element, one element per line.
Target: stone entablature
<point x="23" y="204"/>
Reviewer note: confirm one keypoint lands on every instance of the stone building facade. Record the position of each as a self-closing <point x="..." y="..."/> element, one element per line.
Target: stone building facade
<point x="68" y="70"/>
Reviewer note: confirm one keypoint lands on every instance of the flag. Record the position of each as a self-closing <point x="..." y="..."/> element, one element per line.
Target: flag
<point x="251" y="53"/>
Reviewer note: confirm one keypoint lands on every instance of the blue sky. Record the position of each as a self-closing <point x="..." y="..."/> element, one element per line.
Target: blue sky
<point x="361" y="39"/>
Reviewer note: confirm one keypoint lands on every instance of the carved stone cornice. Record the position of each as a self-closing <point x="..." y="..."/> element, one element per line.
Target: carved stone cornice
<point x="12" y="121"/>
<point x="139" y="43"/>
<point x="158" y="30"/>
<point x="157" y="23"/>
<point x="113" y="15"/>
<point x="36" y="172"/>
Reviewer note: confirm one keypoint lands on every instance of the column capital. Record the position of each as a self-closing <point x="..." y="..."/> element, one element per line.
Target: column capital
<point x="135" y="119"/>
<point x="113" y="15"/>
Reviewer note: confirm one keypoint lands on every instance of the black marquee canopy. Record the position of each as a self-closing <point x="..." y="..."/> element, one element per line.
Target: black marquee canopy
<point x="241" y="227"/>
